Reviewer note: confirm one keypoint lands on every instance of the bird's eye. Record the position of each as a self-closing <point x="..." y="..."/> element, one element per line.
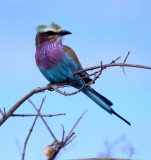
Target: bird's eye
<point x="50" y="33"/>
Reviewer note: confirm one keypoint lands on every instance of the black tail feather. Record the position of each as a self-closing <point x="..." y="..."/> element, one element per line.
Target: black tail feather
<point x="120" y="117"/>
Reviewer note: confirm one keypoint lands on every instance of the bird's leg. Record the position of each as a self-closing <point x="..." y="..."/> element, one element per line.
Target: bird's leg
<point x="50" y="88"/>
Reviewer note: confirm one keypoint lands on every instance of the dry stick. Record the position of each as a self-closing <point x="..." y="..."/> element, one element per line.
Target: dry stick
<point x="13" y="109"/>
<point x="31" y="115"/>
<point x="112" y="65"/>
<point x="30" y="131"/>
<point x="58" y="145"/>
<point x="71" y="138"/>
<point x="76" y="123"/>
<point x="44" y="121"/>
<point x="71" y="133"/>
<point x="99" y="73"/>
<point x="66" y="141"/>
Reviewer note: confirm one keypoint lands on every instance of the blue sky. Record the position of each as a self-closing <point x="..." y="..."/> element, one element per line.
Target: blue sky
<point x="102" y="30"/>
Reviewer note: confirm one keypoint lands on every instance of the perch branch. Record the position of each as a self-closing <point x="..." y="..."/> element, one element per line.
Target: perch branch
<point x="55" y="87"/>
<point x="13" y="109"/>
<point x="113" y="65"/>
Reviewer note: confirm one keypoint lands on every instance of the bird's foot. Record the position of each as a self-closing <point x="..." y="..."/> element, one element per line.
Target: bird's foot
<point x="50" y="88"/>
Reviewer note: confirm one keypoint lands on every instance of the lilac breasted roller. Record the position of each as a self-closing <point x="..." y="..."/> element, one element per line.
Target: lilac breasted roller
<point x="57" y="62"/>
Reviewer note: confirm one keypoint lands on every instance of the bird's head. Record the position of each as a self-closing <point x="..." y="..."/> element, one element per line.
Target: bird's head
<point x="52" y="33"/>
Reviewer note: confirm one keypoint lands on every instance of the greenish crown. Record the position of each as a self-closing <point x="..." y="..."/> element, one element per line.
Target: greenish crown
<point x="45" y="28"/>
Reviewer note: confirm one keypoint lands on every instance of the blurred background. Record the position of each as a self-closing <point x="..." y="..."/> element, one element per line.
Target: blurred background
<point x="101" y="30"/>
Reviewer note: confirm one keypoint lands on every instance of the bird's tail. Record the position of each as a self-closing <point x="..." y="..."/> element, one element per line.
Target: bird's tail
<point x="102" y="102"/>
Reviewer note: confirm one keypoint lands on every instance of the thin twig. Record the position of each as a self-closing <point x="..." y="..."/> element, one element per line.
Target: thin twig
<point x="126" y="57"/>
<point x="30" y="131"/>
<point x="113" y="65"/>
<point x="70" y="139"/>
<point x="123" y="70"/>
<point x="113" y="61"/>
<point x="63" y="133"/>
<point x="67" y="139"/>
<point x="13" y="109"/>
<point x="99" y="73"/>
<point x="2" y="112"/>
<point x="76" y="123"/>
<point x="59" y="145"/>
<point x="44" y="121"/>
<point x="33" y="115"/>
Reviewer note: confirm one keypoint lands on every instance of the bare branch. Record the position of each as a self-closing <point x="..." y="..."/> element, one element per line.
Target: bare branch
<point x="76" y="123"/>
<point x="55" y="87"/>
<point x="124" y="62"/>
<point x="70" y="139"/>
<point x="44" y="121"/>
<point x="33" y="115"/>
<point x="126" y="57"/>
<point x="113" y="65"/>
<point x="13" y="109"/>
<point x="30" y="131"/>
<point x="57" y="146"/>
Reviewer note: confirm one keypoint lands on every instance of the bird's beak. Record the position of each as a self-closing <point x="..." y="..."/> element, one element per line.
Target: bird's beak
<point x="63" y="33"/>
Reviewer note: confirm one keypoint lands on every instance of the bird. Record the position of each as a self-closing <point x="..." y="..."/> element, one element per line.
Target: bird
<point x="57" y="62"/>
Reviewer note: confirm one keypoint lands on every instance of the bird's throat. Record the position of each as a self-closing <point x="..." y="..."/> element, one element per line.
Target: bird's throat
<point x="49" y="54"/>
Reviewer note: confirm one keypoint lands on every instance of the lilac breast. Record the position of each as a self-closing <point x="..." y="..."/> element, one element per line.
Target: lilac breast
<point x="49" y="55"/>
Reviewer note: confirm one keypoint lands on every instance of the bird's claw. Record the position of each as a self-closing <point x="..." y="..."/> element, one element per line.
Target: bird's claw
<point x="50" y="88"/>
